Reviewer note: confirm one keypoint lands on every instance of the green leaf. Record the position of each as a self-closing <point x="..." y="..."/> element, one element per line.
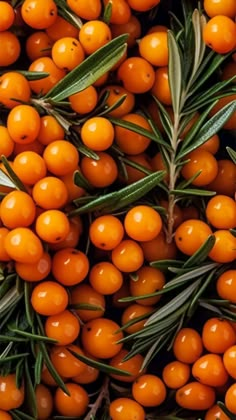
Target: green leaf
<point x="165" y="118"/>
<point x="201" y="254"/>
<point x="30" y="399"/>
<point x="65" y="12"/>
<point x="86" y="73"/>
<point x="38" y="367"/>
<point x="225" y="410"/>
<point x="107" y="13"/>
<point x="198" y="22"/>
<point x="5" y="180"/>
<point x="133" y="127"/>
<point x="33" y="75"/>
<point x="102" y="367"/>
<point x="174" y="72"/>
<point x="173" y="304"/>
<point x="86" y="307"/>
<point x="123" y="197"/>
<point x="193" y="192"/>
<point x="81" y="181"/>
<point x="12" y="175"/>
<point x="232" y="153"/>
<point x="189" y="275"/>
<point x="28" y="308"/>
<point x="155" y="348"/>
<point x="165" y="264"/>
<point x="19" y="415"/>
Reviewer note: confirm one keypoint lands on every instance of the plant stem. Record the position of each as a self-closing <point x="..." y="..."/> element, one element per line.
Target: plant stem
<point x="103" y="395"/>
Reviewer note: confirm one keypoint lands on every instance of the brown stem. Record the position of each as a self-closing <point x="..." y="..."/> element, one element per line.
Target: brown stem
<point x="103" y="394"/>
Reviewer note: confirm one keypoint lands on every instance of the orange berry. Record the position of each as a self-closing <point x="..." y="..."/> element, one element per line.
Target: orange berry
<point x="215" y="413"/>
<point x="132" y="366"/>
<point x="50" y="130"/>
<point x="226" y="285"/>
<point x="14" y="85"/>
<point x="106" y="232"/>
<point x="124" y="408"/>
<point x="149" y="390"/>
<point x="200" y="161"/>
<point x="49" y="298"/>
<point x="195" y="396"/>
<point x="153" y="47"/>
<point x="132" y="312"/>
<point x="67" y="53"/>
<point x="149" y="280"/>
<point x="221" y="212"/>
<point x="37" y="45"/>
<point x="136" y="74"/>
<point x="220" y="7"/>
<point x="187" y="345"/>
<point x="218" y="335"/>
<point x="22" y="245"/>
<point x="220" y="34"/>
<point x="23" y="123"/>
<point x="10" y="48"/>
<point x="66" y="364"/>
<point x="127" y="256"/>
<point x="142" y="223"/>
<point x="224" y="249"/>
<point x="130" y="142"/>
<point x="230" y="398"/>
<point x="44" y="402"/>
<point x="34" y="272"/>
<point x="176" y="374"/>
<point x="50" y="193"/>
<point x="84" y="295"/>
<point x="74" y="404"/>
<point x="7" y="16"/>
<point x="61" y="157"/>
<point x="93" y="35"/>
<point x="39" y="14"/>
<point x="100" y="173"/>
<point x="11" y="397"/>
<point x="29" y="166"/>
<point x="63" y="327"/>
<point x="105" y="278"/>
<point x="210" y="370"/>
<point x="85" y="101"/>
<point x="70" y="266"/>
<point x="97" y="133"/>
<point x="190" y="235"/>
<point x="52" y="226"/>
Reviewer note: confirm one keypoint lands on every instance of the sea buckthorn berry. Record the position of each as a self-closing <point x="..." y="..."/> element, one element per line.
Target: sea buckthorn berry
<point x="124" y="408"/>
<point x="231" y="122"/>
<point x="229" y="70"/>
<point x="50" y="130"/>
<point x="226" y="285"/>
<point x="212" y="145"/>
<point x="71" y="240"/>
<point x="94" y="35"/>
<point x="100" y="338"/>
<point x="61" y="157"/>
<point x="215" y="413"/>
<point x="84" y="296"/>
<point x="37" y="45"/>
<point x="7" y="144"/>
<point x="106" y="232"/>
<point x="66" y="364"/>
<point x="176" y="374"/>
<point x="157" y="28"/>
<point x="44" y="402"/>
<point x="73" y="191"/>
<point x="134" y="174"/>
<point x="120" y="12"/>
<point x="221" y="212"/>
<point x="154" y="48"/>
<point x="133" y="366"/>
<point x="159" y="249"/>
<point x="86" y="9"/>
<point x="190" y="212"/>
<point x="116" y="92"/>
<point x="61" y="28"/>
<point x="52" y="226"/>
<point x="149" y="280"/>
<point x="70" y="266"/>
<point x="121" y="293"/>
<point x="224" y="249"/>
<point x="67" y="53"/>
<point x="14" y="85"/>
<point x="7" y="16"/>
<point x="100" y="173"/>
<point x="63" y="327"/>
<point x="229" y="359"/>
<point x="195" y="396"/>
<point x="11" y="397"/>
<point x="136" y="74"/>
<point x="218" y="335"/>
<point x="132" y="312"/>
<point x="105" y="278"/>
<point x="22" y="245"/>
<point x="132" y="28"/>
<point x="39" y="14"/>
<point x="187" y="345"/>
<point x="34" y="272"/>
<point x="47" y="65"/>
<point x="190" y="235"/>
<point x="161" y="88"/>
<point x="50" y="193"/>
<point x="17" y="209"/>
<point x="209" y="370"/>
<point x="5" y="415"/>
<point x="230" y="398"/>
<point x="130" y="142"/>
<point x="88" y="376"/>
<point x="149" y="390"/>
<point x="85" y="101"/>
<point x="220" y="7"/>
<point x="10" y="48"/>
<point x="3" y="254"/>
<point x="127" y="256"/>
<point x="224" y="182"/>
<point x="97" y="133"/>
<point x="49" y="298"/>
<point x="30" y="167"/>
<point x="142" y="223"/>
<point x="219" y="34"/>
<point x="142" y="6"/>
<point x="74" y="404"/>
<point x="23" y="123"/>
<point x="35" y="147"/>
<point x="200" y="160"/>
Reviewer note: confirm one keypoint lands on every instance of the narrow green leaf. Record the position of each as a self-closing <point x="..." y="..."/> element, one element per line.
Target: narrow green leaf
<point x="99" y="365"/>
<point x="198" y="22"/>
<point x="225" y="410"/>
<point x="155" y="348"/>
<point x="135" y="165"/>
<point x="232" y="153"/>
<point x="192" y="135"/>
<point x="174" y="72"/>
<point x="201" y="254"/>
<point x="38" y="367"/>
<point x="233" y="232"/>
<point x="51" y="368"/>
<point x="173" y="304"/>
<point x="14" y="178"/>
<point x="191" y="274"/>
<point x="133" y="127"/>
<point x="193" y="192"/>
<point x="13" y="357"/>
<point x="165" y="118"/>
<point x="82" y="77"/>
<point x="5" y="180"/>
<point x="165" y="264"/>
<point x="30" y="399"/>
<point x="28" y="308"/>
<point x="107" y="109"/>
<point x="86" y="307"/>
<point x="33" y="75"/>
<point x="65" y="12"/>
<point x="123" y="197"/>
<point x="107" y="13"/>
<point x="17" y="414"/>
<point x="81" y="181"/>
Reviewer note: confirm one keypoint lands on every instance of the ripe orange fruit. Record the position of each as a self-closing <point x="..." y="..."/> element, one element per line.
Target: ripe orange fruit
<point x="209" y="369"/>
<point x="195" y="396"/>
<point x="142" y="223"/>
<point x="188" y="345"/>
<point x="220" y="34"/>
<point x="124" y="408"/>
<point x="218" y="335"/>
<point x="10" y="396"/>
<point x="149" y="390"/>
